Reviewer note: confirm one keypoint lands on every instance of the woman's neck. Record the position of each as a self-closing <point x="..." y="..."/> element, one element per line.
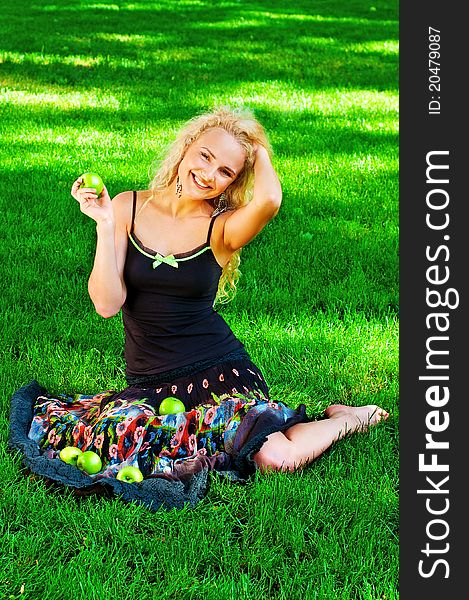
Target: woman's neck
<point x="179" y="207"/>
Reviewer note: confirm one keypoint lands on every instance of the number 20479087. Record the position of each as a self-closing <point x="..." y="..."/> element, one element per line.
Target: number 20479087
<point x="434" y="37"/>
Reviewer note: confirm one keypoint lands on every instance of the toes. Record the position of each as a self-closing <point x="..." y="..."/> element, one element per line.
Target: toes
<point x="367" y="415"/>
<point x="378" y="414"/>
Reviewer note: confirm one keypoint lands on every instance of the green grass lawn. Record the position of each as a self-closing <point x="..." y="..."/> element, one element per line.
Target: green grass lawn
<point x="93" y="85"/>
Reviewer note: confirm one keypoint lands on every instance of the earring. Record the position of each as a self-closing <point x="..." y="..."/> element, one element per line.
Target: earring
<point x="222" y="205"/>
<point x="178" y="187"/>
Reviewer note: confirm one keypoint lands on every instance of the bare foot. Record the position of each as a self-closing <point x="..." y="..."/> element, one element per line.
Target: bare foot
<point x="360" y="416"/>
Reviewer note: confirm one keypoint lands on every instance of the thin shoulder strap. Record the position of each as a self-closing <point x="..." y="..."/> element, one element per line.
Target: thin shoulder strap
<point x="134" y="204"/>
<point x="212" y="220"/>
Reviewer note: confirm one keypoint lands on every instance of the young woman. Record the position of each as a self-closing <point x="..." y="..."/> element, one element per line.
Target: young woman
<point x="163" y="257"/>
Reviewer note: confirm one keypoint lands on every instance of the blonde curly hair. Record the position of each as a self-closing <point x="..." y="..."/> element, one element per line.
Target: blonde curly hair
<point x="247" y="131"/>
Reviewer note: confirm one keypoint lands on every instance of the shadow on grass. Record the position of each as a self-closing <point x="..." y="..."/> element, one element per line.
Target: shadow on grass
<point x="146" y="52"/>
<point x="309" y="136"/>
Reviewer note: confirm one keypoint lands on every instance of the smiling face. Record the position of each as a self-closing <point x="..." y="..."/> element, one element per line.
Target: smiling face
<point x="211" y="164"/>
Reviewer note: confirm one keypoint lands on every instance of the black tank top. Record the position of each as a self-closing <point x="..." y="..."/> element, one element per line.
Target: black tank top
<point x="169" y="319"/>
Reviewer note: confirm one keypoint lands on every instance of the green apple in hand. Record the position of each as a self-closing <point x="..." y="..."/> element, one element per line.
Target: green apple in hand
<point x="90" y="462"/>
<point x="130" y="474"/>
<point x="70" y="455"/>
<point x="92" y="180"/>
<point x="171" y="406"/>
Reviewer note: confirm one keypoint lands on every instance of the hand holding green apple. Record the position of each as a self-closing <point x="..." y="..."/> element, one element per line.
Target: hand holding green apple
<point x="92" y="180"/>
<point x="91" y="193"/>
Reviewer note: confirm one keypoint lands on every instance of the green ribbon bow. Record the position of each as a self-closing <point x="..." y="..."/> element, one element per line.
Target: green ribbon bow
<point x="168" y="260"/>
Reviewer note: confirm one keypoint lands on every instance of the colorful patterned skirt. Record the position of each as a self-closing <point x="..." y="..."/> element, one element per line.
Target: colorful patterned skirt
<point x="228" y="417"/>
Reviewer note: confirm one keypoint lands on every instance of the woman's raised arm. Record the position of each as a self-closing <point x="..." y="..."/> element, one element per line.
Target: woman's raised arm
<point x="243" y="224"/>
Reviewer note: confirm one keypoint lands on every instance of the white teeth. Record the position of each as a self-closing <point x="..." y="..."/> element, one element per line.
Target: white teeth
<point x="198" y="182"/>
